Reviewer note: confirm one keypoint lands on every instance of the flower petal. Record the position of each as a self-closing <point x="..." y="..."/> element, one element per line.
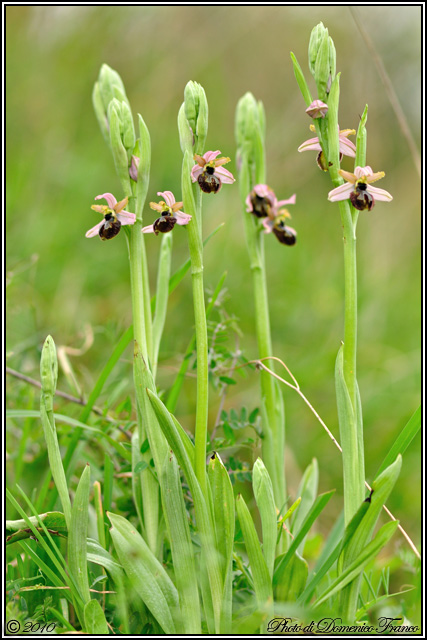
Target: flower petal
<point x="168" y="197"/>
<point x="109" y="198"/>
<point x="267" y="224"/>
<point x="182" y="218"/>
<point x="222" y="161"/>
<point x="290" y="200"/>
<point x="195" y="172"/>
<point x="363" y="172"/>
<point x="264" y="191"/>
<point x="347" y="147"/>
<point x="100" y="208"/>
<point x="375" y="176"/>
<point x="380" y="194"/>
<point x="341" y="193"/>
<point x="347" y="175"/>
<point x="211" y="155"/>
<point x="157" y="206"/>
<point x="225" y="175"/>
<point x="149" y="229"/>
<point x="121" y="205"/>
<point x="312" y="144"/>
<point x="125" y="217"/>
<point x="95" y="230"/>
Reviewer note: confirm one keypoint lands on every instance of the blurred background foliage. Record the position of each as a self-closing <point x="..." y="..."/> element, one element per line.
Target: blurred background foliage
<point x="62" y="284"/>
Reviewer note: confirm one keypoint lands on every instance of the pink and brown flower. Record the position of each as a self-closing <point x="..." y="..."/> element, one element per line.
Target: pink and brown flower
<point x="209" y="172"/>
<point x="358" y="189"/>
<point x="346" y="146"/>
<point x="170" y="214"/>
<point x="114" y="217"/>
<point x="262" y="202"/>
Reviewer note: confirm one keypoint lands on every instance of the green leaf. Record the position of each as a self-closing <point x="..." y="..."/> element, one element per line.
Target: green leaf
<point x="203" y="511"/>
<point x="292" y="583"/>
<point x="181" y="546"/>
<point x="317" y="508"/>
<point x="224" y="519"/>
<point x="301" y="81"/>
<point x="77" y="549"/>
<point x="264" y="496"/>
<point x="48" y="375"/>
<point x="145" y="572"/>
<point x="355" y="568"/>
<point x="308" y="491"/>
<point x="140" y="466"/>
<point x="360" y="529"/>
<point x="258" y="565"/>
<point x="95" y="622"/>
<point x="403" y="440"/>
<point x="227" y="380"/>
<point x="18" y="529"/>
<point x="349" y="442"/>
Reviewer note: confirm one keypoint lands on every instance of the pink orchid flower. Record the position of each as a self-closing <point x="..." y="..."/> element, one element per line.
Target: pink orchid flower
<point x="317" y="109"/>
<point x="114" y="217"/>
<point x="209" y="172"/>
<point x="358" y="188"/>
<point x="347" y="147"/>
<point x="263" y="203"/>
<point x="170" y="214"/>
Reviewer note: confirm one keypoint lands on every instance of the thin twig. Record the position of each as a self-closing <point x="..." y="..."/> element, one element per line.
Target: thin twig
<point x="260" y="365"/>
<point x="67" y="396"/>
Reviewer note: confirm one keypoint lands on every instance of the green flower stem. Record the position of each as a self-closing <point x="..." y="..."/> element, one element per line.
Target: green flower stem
<point x="195" y="245"/>
<point x="273" y="432"/>
<point x="354" y="492"/>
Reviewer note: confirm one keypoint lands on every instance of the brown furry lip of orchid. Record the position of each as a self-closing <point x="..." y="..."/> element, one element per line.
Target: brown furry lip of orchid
<point x="210" y="173"/>
<point x="114" y="217"/>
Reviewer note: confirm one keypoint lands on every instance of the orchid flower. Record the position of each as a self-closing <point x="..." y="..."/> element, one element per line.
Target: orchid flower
<point x="347" y="147"/>
<point x="263" y="203"/>
<point x="358" y="188"/>
<point x="114" y="217"/>
<point x="209" y="172"/>
<point x="170" y="214"/>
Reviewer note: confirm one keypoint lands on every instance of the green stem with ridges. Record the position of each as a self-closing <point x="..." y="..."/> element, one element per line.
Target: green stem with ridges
<point x="195" y="245"/>
<point x="273" y="440"/>
<point x="354" y="494"/>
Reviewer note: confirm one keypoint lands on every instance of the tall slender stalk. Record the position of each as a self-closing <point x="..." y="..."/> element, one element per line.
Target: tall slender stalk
<point x="250" y="138"/>
<point x="195" y="245"/>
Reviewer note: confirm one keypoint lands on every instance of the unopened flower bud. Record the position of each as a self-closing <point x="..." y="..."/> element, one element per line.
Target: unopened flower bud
<point x="133" y="169"/>
<point x="196" y="113"/>
<point x="317" y="109"/>
<point x="322" y="59"/>
<point x="48" y="372"/>
<point x="316" y="38"/>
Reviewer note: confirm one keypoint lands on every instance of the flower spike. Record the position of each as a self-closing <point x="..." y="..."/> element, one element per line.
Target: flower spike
<point x="114" y="217"/>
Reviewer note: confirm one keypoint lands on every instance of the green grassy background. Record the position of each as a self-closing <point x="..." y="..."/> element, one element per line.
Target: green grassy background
<point x="59" y="282"/>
